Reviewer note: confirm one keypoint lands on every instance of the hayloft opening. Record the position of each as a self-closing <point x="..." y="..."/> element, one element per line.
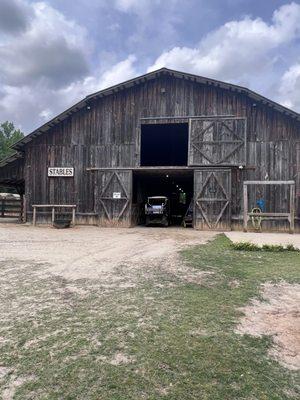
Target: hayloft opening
<point x="176" y="185"/>
<point x="164" y="144"/>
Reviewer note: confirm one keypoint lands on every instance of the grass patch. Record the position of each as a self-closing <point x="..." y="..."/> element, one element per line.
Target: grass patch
<point x="247" y="246"/>
<point x="173" y="342"/>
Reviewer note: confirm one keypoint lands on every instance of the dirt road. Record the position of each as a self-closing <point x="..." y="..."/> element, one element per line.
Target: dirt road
<point x="92" y="252"/>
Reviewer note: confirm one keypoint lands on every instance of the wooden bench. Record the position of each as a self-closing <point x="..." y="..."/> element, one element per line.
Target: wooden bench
<point x="53" y="207"/>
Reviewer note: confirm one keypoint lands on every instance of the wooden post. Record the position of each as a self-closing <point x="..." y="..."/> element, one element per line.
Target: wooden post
<point x="245" y="211"/>
<point x="53" y="216"/>
<point x="292" y="208"/>
<point x="73" y="216"/>
<point x="21" y="208"/>
<point x="2" y="207"/>
<point x="24" y="209"/>
<point x="34" y="216"/>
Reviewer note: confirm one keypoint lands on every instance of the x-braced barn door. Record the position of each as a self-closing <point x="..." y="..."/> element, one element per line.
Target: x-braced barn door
<point x="113" y="197"/>
<point x="212" y="198"/>
<point x="217" y="141"/>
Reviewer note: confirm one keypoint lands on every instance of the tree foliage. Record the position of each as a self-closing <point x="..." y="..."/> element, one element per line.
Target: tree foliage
<point x="8" y="136"/>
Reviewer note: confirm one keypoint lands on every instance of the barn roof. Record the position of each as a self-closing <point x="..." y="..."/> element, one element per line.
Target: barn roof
<point x="143" y="78"/>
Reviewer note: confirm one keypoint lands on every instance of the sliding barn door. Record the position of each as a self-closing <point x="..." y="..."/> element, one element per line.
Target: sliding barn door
<point x="212" y="199"/>
<point x="217" y="141"/>
<point x="113" y="197"/>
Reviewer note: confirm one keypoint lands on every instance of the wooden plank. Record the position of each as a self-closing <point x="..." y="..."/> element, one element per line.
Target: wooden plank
<point x="54" y="205"/>
<point x="292" y="209"/>
<point x="268" y="214"/>
<point x="34" y="216"/>
<point x="212" y="194"/>
<point x="53" y="215"/>
<point x="73" y="216"/>
<point x="269" y="182"/>
<point x="245" y="207"/>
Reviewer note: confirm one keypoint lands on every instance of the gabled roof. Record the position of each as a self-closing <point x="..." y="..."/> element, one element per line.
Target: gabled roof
<point x="143" y="78"/>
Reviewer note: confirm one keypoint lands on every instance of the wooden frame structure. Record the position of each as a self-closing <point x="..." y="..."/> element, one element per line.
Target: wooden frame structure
<point x="290" y="216"/>
<point x="216" y="140"/>
<point x="212" y="191"/>
<point x="53" y="207"/>
<point x="226" y="127"/>
<point x="10" y="208"/>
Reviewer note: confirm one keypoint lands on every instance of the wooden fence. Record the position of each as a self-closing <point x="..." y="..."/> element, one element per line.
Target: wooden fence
<point x="10" y="208"/>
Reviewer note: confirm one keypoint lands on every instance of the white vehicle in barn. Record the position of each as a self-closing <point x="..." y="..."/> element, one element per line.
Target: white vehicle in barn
<point x="157" y="210"/>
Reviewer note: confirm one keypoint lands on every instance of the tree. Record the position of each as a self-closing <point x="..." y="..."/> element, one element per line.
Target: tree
<point x="8" y="136"/>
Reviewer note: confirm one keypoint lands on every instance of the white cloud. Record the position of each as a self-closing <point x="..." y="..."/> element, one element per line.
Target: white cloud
<point x="118" y="72"/>
<point x="44" y="68"/>
<point x="45" y="60"/>
<point x="31" y="106"/>
<point x="52" y="48"/>
<point x="237" y="49"/>
<point x="289" y="89"/>
<point x="15" y="16"/>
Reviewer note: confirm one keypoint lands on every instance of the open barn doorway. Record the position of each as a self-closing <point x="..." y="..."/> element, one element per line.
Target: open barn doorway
<point x="174" y="184"/>
<point x="11" y="203"/>
<point x="164" y="144"/>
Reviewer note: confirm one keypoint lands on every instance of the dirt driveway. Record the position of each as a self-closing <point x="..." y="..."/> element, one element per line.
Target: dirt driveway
<point x="92" y="252"/>
<point x="90" y="313"/>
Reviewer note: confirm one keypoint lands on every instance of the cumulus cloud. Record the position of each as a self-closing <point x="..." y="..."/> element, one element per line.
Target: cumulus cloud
<point x="45" y="67"/>
<point x="51" y="49"/>
<point x="238" y="48"/>
<point x="289" y="89"/>
<point x="14" y="16"/>
<point x="49" y="62"/>
<point x="31" y="106"/>
<point x="117" y="73"/>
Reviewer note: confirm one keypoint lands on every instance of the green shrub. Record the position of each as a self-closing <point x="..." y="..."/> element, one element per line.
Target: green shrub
<point x="291" y="247"/>
<point x="247" y="246"/>
<point x="273" y="247"/>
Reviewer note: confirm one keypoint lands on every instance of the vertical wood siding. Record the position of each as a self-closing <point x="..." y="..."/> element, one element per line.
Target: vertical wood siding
<point x="108" y="136"/>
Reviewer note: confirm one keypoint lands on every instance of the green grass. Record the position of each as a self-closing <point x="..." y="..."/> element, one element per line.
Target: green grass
<point x="179" y="336"/>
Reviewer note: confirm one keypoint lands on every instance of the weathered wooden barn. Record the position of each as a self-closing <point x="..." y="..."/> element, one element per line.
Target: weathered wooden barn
<point x="164" y="133"/>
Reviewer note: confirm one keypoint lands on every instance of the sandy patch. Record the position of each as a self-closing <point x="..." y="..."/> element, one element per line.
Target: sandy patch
<point x="4" y="371"/>
<point x="121" y="358"/>
<point x="262" y="238"/>
<point x="278" y="316"/>
<point x="14" y="383"/>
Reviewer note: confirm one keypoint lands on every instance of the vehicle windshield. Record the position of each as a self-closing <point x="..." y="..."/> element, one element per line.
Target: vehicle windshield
<point x="157" y="201"/>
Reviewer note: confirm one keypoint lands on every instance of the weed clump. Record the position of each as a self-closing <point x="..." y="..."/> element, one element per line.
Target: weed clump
<point x="247" y="246"/>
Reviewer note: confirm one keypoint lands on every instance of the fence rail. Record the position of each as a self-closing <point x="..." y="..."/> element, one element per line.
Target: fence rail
<point x="10" y="208"/>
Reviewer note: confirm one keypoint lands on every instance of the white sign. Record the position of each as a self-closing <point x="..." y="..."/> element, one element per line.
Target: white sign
<point x="57" y="171"/>
<point x="116" y="195"/>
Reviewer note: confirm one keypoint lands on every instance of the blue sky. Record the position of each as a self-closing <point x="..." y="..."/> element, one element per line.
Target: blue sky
<point x="53" y="53"/>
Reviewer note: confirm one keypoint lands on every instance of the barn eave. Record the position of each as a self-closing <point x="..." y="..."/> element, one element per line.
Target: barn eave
<point x="147" y="77"/>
